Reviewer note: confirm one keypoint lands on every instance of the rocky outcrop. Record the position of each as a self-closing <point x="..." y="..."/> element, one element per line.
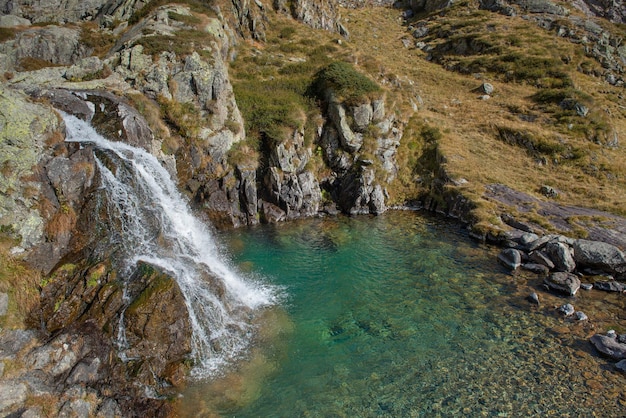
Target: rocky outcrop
<point x="357" y="140"/>
<point x="25" y="128"/>
<point x="53" y="44"/>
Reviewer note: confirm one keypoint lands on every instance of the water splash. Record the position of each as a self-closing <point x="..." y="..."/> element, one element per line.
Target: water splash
<point x="156" y="226"/>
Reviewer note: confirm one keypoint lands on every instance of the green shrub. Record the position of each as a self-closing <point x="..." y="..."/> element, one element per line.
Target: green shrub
<point x="269" y="108"/>
<point x="345" y="81"/>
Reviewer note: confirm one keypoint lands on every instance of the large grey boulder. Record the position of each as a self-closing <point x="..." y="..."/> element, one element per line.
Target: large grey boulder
<point x="510" y="258"/>
<point x="609" y="346"/>
<point x="599" y="255"/>
<point x="563" y="282"/>
<point x="610" y="286"/>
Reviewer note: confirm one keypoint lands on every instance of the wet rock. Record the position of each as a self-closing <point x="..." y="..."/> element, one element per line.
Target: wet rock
<point x="581" y="316"/>
<point x="533" y="298"/>
<point x="621" y="366"/>
<point x="610" y="286"/>
<point x="567" y="309"/>
<point x="561" y="255"/>
<point x="510" y="258"/>
<point x="586" y="286"/>
<point x="539" y="257"/>
<point x="536" y="268"/>
<point x="609" y="346"/>
<point x="563" y="282"/>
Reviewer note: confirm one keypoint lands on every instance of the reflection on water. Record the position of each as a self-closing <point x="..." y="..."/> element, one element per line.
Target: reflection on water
<point x="402" y="315"/>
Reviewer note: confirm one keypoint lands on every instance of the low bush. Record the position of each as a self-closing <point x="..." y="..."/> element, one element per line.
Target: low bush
<point x="345" y="81"/>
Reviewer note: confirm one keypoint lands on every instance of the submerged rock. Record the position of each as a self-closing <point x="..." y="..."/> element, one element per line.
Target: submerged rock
<point x="567" y="309"/>
<point x="610" y="286"/>
<point x="563" y="282"/>
<point x="609" y="346"/>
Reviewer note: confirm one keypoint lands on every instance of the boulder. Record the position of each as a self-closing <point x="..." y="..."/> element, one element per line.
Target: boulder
<point x="561" y="255"/>
<point x="609" y="346"/>
<point x="510" y="258"/>
<point x="581" y="316"/>
<point x="486" y="88"/>
<point x="599" y="255"/>
<point x="536" y="268"/>
<point x="610" y="286"/>
<point x="539" y="257"/>
<point x="563" y="282"/>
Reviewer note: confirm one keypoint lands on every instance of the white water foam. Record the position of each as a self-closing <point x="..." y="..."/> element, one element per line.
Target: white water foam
<point x="158" y="227"/>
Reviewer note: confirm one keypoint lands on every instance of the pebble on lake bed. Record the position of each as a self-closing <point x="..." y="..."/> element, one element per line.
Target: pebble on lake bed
<point x="567" y="309"/>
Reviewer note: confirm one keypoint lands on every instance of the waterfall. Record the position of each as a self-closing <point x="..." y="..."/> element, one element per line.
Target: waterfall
<point x="156" y="226"/>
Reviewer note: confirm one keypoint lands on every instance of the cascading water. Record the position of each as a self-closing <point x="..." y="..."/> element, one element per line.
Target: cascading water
<point x="158" y="227"/>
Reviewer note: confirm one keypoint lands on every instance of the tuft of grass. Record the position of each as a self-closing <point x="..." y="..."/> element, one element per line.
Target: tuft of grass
<point x="345" y="81"/>
<point x="244" y="155"/>
<point x="184" y="117"/>
<point x="99" y="40"/>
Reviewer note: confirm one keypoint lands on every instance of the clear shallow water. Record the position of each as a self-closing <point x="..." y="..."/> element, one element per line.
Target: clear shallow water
<point x="402" y="315"/>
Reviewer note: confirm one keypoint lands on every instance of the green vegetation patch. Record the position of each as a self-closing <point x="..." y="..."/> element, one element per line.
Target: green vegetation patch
<point x="345" y="81"/>
<point x="270" y="107"/>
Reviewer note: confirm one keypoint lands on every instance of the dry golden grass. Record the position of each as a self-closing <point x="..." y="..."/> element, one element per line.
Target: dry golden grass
<point x="585" y="173"/>
<point x="470" y="146"/>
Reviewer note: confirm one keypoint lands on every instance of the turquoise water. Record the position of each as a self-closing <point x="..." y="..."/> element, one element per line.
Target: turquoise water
<point x="396" y="316"/>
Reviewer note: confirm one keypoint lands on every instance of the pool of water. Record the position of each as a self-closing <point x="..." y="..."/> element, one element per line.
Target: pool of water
<point x="403" y="315"/>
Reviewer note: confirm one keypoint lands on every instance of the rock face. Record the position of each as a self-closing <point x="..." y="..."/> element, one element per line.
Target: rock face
<point x="54" y="44"/>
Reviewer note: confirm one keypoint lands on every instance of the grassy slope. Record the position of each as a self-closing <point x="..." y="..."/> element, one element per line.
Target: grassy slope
<point x="469" y="143"/>
<point x="585" y="173"/>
